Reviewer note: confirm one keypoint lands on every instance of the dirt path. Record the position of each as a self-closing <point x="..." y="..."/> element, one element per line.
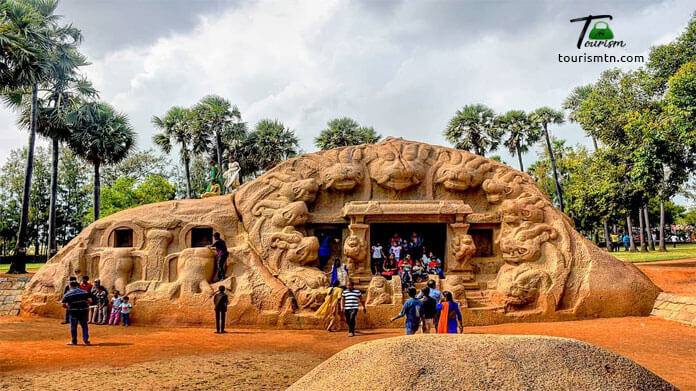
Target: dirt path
<point x="678" y="276"/>
<point x="33" y="353"/>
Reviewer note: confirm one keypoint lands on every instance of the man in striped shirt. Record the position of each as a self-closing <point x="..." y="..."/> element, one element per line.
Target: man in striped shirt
<point x="352" y="299"/>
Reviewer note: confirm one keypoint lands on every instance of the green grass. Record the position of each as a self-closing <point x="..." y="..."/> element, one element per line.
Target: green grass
<point x="30" y="267"/>
<point x="682" y="251"/>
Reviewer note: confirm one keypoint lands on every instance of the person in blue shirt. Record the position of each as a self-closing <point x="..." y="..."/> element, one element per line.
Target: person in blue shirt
<point x="413" y="311"/>
<point x="77" y="302"/>
<point x="324" y="251"/>
<point x="434" y="293"/>
<point x="627" y="242"/>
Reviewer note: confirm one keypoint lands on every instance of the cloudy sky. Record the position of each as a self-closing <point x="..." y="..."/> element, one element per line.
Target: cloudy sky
<point x="403" y="67"/>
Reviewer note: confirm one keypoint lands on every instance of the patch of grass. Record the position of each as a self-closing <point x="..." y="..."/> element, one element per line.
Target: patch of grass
<point x="30" y="267"/>
<point x="681" y="252"/>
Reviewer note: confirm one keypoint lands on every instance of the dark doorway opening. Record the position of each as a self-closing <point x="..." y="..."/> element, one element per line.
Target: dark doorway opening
<point x="483" y="239"/>
<point x="124" y="238"/>
<point x="433" y="235"/>
<point x="330" y="238"/>
<point x="201" y="237"/>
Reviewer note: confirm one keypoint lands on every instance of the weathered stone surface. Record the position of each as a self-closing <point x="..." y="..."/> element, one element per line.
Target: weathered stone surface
<point x="540" y="267"/>
<point x="477" y="362"/>
<point x="11" y="289"/>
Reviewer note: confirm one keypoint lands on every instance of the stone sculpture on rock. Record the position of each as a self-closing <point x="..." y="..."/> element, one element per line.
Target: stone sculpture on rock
<point x="509" y="255"/>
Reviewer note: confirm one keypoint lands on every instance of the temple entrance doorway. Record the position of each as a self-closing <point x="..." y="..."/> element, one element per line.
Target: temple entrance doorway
<point x="433" y="235"/>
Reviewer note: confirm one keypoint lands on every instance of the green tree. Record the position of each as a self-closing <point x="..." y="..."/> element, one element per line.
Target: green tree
<point x="101" y="136"/>
<point x="573" y="104"/>
<point x="272" y="143"/>
<point x="214" y="117"/>
<point x="520" y="131"/>
<point x="545" y="116"/>
<point x="473" y="129"/>
<point x="176" y="127"/>
<point x="30" y="35"/>
<point x="127" y="193"/>
<point x="341" y="132"/>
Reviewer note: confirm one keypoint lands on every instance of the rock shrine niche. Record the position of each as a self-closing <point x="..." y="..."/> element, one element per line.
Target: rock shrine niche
<point x="508" y="254"/>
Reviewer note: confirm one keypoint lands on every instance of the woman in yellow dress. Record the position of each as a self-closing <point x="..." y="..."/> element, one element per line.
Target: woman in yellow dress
<point x="329" y="309"/>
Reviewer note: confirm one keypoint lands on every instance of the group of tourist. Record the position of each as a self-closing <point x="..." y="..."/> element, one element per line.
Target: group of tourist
<point x="217" y="178"/>
<point x="88" y="303"/>
<point x="341" y="301"/>
<point x="409" y="259"/>
<point x="431" y="311"/>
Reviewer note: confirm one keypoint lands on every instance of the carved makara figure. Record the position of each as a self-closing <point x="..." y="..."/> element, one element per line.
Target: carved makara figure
<point x="505" y="184"/>
<point x="399" y="166"/>
<point x="522" y="286"/>
<point x="346" y="174"/>
<point x="460" y="170"/>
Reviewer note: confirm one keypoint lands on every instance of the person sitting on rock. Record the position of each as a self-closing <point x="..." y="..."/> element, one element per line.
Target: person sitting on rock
<point x="418" y="272"/>
<point x="389" y="268"/>
<point x="435" y="266"/>
<point x="213" y="191"/>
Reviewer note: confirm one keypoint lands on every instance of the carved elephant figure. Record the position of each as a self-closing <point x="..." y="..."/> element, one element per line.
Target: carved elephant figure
<point x="115" y="268"/>
<point x="194" y="272"/>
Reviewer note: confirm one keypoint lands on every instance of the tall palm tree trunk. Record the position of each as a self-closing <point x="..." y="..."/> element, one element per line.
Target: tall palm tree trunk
<point x="218" y="149"/>
<point x="187" y="171"/>
<point x="519" y="157"/>
<point x="662" y="226"/>
<point x="97" y="190"/>
<point x="553" y="167"/>
<point x="643" y="243"/>
<point x="607" y="240"/>
<point x="594" y="142"/>
<point x="52" y="247"/>
<point x="632" y="246"/>
<point x="18" y="264"/>
<point x="647" y="228"/>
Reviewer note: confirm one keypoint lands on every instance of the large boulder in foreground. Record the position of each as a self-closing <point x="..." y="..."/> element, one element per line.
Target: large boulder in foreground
<point x="478" y="362"/>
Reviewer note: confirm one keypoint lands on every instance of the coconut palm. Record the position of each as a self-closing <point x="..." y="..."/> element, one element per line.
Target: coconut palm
<point x="545" y="116"/>
<point x="101" y="136"/>
<point x="29" y="36"/>
<point x="341" y="132"/>
<point x="521" y="132"/>
<point x="272" y="143"/>
<point x="214" y="117"/>
<point x="176" y="127"/>
<point x="473" y="128"/>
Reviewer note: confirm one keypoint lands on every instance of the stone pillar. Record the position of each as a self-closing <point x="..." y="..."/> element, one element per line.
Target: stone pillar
<point x="356" y="248"/>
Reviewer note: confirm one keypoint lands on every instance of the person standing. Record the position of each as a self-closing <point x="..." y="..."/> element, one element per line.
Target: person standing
<point x="94" y="307"/>
<point x="102" y="305"/>
<point x="352" y="299"/>
<point x="328" y="310"/>
<point x="125" y="310"/>
<point x="220" y="257"/>
<point x="324" y="251"/>
<point x="77" y="301"/>
<point x="340" y="273"/>
<point x="115" y="308"/>
<point x="450" y="316"/>
<point x="377" y="259"/>
<point x="220" y="300"/>
<point x="413" y="310"/>
<point x="429" y="310"/>
<point x="627" y="242"/>
<point x="66" y="290"/>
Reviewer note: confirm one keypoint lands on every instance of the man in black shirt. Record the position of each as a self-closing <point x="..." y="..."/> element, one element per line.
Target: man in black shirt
<point x="220" y="300"/>
<point x="67" y="288"/>
<point x="429" y="311"/>
<point x="77" y="302"/>
<point x="220" y="258"/>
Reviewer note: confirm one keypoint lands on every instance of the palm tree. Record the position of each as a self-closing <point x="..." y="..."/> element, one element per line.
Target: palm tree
<point x="341" y="132"/>
<point x="176" y="126"/>
<point x="545" y="116"/>
<point x="273" y="143"/>
<point x="101" y="136"/>
<point x="473" y="128"/>
<point x="573" y="103"/>
<point x="29" y="35"/>
<point x="521" y="132"/>
<point x="214" y="116"/>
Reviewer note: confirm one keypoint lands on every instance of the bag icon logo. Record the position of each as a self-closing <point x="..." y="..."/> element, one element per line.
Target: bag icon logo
<point x="601" y="32"/>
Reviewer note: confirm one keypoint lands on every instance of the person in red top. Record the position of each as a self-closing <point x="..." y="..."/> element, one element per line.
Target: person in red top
<point x="85" y="285"/>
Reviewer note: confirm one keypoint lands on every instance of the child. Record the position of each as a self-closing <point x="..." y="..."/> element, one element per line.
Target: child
<point x="125" y="310"/>
<point x="435" y="266"/>
<point x="115" y="308"/>
<point x="418" y="271"/>
<point x="102" y="305"/>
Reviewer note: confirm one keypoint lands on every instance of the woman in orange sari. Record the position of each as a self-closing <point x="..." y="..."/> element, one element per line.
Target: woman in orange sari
<point x="450" y="316"/>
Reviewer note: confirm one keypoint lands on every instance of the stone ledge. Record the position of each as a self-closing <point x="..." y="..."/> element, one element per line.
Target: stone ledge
<point x="674" y="307"/>
<point x="11" y="289"/>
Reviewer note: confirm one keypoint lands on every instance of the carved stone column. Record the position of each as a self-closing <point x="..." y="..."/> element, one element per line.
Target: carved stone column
<point x="356" y="248"/>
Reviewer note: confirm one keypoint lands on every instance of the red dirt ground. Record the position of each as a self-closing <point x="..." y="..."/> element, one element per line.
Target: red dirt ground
<point x="678" y="276"/>
<point x="33" y="353"/>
